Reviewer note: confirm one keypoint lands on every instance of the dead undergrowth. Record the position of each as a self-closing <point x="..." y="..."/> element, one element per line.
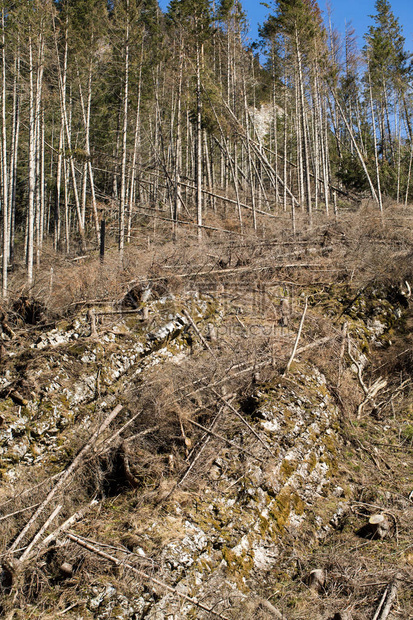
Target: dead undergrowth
<point x="159" y="451"/>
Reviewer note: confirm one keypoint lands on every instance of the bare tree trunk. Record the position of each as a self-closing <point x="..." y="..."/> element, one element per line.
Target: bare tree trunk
<point x="178" y="147"/>
<point x="32" y="168"/>
<point x="136" y="144"/>
<point x="250" y="168"/>
<point x="376" y="158"/>
<point x="122" y="202"/>
<point x="87" y="167"/>
<point x="14" y="153"/>
<point x="5" y="201"/>
<point x="62" y="81"/>
<point x="198" y="154"/>
<point x="359" y="154"/>
<point x="409" y="174"/>
<point x="38" y="149"/>
<point x="305" y="145"/>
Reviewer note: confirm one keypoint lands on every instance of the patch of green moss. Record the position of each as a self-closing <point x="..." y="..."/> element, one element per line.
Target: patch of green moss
<point x="240" y="564"/>
<point x="281" y="508"/>
<point x="287" y="469"/>
<point x="312" y="462"/>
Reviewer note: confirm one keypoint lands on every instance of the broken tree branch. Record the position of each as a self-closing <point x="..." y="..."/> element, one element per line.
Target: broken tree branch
<point x="387" y="600"/>
<point x="68" y="523"/>
<point x="67" y="473"/>
<point x="40" y="533"/>
<point x="294" y="351"/>
<point x="244" y="421"/>
<point x="198" y="333"/>
<point x="224" y="439"/>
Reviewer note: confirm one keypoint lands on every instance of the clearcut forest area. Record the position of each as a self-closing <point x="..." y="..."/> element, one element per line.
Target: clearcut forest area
<point x="206" y="313"/>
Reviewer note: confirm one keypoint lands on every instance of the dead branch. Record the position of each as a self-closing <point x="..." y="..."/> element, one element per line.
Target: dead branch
<point x="117" y="312"/>
<point x="369" y="392"/>
<point x="40" y="533"/>
<point x="30" y="490"/>
<point x="67" y="473"/>
<point x="162" y="584"/>
<point x="224" y="439"/>
<point x="294" y="351"/>
<point x="197" y="457"/>
<point x="77" y="516"/>
<point x="198" y="333"/>
<point x="373" y="390"/>
<point x="387" y="599"/>
<point x="147" y="431"/>
<point x="17" y="512"/>
<point x="243" y="420"/>
<point x="113" y="437"/>
<point x="316" y="343"/>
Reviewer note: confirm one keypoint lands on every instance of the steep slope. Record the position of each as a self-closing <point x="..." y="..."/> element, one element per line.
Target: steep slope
<point x="174" y="468"/>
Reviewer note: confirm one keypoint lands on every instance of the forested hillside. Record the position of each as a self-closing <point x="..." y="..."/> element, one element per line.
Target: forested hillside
<point x="117" y="111"/>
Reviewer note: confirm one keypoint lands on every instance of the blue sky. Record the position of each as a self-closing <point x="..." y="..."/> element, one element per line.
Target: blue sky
<point x="356" y="11"/>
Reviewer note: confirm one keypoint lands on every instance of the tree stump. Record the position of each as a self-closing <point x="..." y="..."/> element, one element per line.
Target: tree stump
<point x="316" y="579"/>
<point x="66" y="569"/>
<point x="378" y="526"/>
<point x="285" y="312"/>
<point x="92" y="319"/>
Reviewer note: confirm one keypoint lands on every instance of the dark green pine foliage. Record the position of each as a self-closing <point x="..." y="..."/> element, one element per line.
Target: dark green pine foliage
<point x="388" y="75"/>
<point x="194" y="16"/>
<point x="385" y="49"/>
<point x="301" y="16"/>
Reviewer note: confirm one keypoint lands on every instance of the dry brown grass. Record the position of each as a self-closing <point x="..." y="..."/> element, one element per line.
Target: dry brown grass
<point x="335" y="258"/>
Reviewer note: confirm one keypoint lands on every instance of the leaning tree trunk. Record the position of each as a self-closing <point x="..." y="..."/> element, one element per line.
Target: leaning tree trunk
<point x="376" y="157"/>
